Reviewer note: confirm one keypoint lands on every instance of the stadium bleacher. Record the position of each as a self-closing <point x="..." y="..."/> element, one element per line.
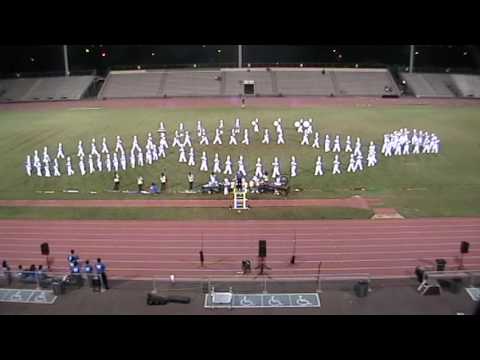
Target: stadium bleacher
<point x="267" y="82"/>
<point x="441" y="84"/>
<point x="193" y="83"/>
<point x="430" y="84"/>
<point x="308" y="82"/>
<point x="16" y="89"/>
<point x="467" y="85"/>
<point x="131" y="84"/>
<point x="230" y="82"/>
<point x="234" y="79"/>
<point x="365" y="82"/>
<point x="44" y="89"/>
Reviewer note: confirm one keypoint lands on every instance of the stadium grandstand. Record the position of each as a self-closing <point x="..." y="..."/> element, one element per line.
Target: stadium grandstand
<point x="251" y="81"/>
<point x="241" y="79"/>
<point x="45" y="88"/>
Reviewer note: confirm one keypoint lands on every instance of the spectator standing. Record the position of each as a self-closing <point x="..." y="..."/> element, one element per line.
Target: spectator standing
<point x="7" y="273"/>
<point x="88" y="269"/>
<point x="163" y="182"/>
<point x="191" y="178"/>
<point x="116" y="182"/>
<point x="140" y="183"/>
<point x="101" y="271"/>
<point x="73" y="258"/>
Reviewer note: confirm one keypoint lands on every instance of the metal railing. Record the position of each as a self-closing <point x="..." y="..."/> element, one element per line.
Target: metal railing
<point x="259" y="284"/>
<point x="39" y="280"/>
<point x="471" y="275"/>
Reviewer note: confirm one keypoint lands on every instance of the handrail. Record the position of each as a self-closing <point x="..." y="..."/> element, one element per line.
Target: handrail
<point x="450" y="273"/>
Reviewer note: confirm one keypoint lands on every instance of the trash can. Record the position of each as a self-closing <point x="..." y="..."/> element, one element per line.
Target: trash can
<point x="456" y="285"/>
<point x="441" y="263"/>
<point x="361" y="288"/>
<point x="58" y="288"/>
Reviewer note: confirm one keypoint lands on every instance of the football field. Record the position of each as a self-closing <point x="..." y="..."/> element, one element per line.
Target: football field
<point x="447" y="184"/>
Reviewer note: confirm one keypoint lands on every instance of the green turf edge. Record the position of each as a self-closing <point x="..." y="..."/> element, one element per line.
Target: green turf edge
<point x="290" y="213"/>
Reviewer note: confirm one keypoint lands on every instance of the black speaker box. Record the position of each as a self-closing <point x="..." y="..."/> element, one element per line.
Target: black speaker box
<point x="153" y="299"/>
<point x="464" y="247"/>
<point x="44" y="248"/>
<point x="178" y="299"/>
<point x="390" y="96"/>
<point x="441" y="264"/>
<point x="262" y="248"/>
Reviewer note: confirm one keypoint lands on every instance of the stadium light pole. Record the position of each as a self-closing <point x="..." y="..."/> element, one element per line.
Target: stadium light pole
<point x="412" y="52"/>
<point x="239" y="56"/>
<point x="65" y="60"/>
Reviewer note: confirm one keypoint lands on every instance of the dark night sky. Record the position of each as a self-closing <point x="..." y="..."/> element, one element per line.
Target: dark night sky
<point x="15" y="59"/>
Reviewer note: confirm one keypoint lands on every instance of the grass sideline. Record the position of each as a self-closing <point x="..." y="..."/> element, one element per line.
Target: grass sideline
<point x="297" y="213"/>
<point x="447" y="184"/>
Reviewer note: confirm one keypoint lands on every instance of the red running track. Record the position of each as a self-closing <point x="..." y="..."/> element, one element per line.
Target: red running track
<point x="143" y="249"/>
<point x="352" y="202"/>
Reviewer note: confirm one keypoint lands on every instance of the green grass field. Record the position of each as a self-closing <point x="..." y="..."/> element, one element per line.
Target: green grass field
<point x="300" y="213"/>
<point x="447" y="184"/>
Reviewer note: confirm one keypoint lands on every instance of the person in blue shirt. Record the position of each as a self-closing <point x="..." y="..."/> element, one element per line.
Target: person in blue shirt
<point x="101" y="270"/>
<point x="154" y="189"/>
<point x="77" y="274"/>
<point x="72" y="258"/>
<point x="76" y="269"/>
<point x="88" y="269"/>
<point x="41" y="274"/>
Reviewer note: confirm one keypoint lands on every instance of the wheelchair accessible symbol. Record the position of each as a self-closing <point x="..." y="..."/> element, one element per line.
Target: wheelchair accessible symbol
<point x="303" y="302"/>
<point x="41" y="297"/>
<point x="16" y="296"/>
<point x="274" y="302"/>
<point x="246" y="302"/>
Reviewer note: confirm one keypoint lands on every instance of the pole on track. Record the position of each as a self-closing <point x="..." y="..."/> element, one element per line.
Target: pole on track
<point x="65" y="60"/>
<point x="239" y="56"/>
<point x="292" y="260"/>
<point x="319" y="287"/>
<point x="412" y="53"/>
